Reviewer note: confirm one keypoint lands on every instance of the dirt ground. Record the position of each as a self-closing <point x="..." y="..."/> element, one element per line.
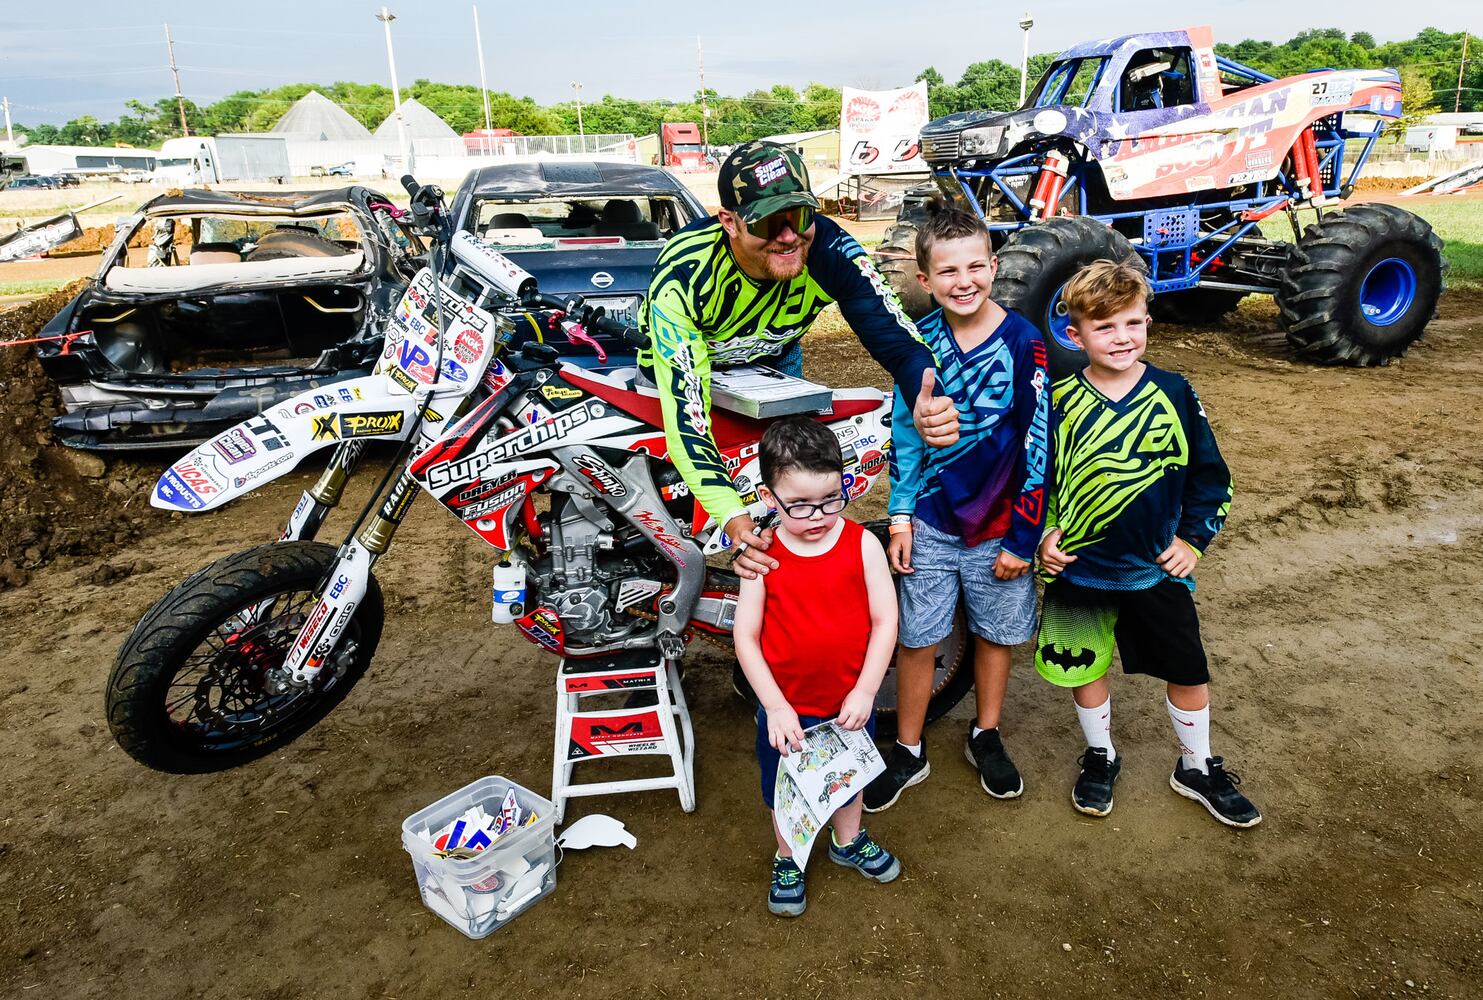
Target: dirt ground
<point x="1340" y="608"/>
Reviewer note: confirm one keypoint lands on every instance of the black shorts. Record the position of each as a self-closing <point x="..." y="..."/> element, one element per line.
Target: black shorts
<point x="1156" y="630"/>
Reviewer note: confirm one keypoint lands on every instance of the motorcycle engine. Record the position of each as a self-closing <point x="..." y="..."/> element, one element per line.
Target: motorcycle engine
<point x="586" y="563"/>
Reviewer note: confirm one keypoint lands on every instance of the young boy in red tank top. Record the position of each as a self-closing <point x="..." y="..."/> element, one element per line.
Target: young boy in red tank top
<point x="814" y="635"/>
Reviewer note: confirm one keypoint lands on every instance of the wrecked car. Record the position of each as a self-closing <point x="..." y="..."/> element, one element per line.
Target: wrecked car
<point x="589" y="228"/>
<point x="236" y="301"/>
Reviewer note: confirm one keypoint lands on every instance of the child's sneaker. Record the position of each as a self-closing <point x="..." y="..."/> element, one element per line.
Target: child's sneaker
<point x="996" y="772"/>
<point x="903" y="769"/>
<point x="1216" y="791"/>
<point x="1093" y="792"/>
<point x="866" y="857"/>
<point x="785" y="895"/>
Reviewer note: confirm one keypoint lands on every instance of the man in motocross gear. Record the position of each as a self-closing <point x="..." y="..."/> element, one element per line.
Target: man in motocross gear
<point x="745" y="285"/>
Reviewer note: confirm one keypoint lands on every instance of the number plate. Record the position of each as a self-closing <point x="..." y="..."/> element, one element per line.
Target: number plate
<point x="623" y="308"/>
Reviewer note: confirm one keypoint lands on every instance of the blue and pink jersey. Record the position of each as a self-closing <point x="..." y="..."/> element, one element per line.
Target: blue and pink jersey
<point x="991" y="484"/>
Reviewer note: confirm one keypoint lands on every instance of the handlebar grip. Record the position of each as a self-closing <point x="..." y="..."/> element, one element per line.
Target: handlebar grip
<point x="410" y="184"/>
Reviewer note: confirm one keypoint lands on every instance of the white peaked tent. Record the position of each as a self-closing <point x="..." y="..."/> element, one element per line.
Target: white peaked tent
<point x="317" y="117"/>
<point x="421" y="123"/>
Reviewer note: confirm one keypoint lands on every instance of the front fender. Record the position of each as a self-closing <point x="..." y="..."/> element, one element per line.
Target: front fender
<point x="264" y="447"/>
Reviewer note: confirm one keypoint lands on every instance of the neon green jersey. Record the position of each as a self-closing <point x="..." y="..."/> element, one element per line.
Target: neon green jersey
<point x="703" y="311"/>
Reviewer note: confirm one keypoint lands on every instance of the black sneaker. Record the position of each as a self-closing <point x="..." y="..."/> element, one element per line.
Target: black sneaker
<point x="903" y="769"/>
<point x="996" y="772"/>
<point x="1216" y="791"/>
<point x="1093" y="792"/>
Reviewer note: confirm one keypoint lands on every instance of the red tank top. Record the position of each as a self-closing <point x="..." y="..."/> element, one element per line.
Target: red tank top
<point x="816" y="623"/>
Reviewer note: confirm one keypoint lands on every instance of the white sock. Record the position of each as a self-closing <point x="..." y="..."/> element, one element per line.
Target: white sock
<point x="1192" y="730"/>
<point x="1096" y="726"/>
<point x="915" y="749"/>
<point x="976" y="730"/>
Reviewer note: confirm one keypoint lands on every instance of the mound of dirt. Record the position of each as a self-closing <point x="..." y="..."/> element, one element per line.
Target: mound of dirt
<point x="54" y="501"/>
<point x="96" y="239"/>
<point x="1388" y="183"/>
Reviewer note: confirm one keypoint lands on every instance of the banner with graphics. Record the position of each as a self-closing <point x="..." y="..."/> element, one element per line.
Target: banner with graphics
<point x="879" y="130"/>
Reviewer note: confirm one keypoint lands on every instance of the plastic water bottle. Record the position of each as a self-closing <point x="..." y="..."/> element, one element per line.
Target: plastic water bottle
<point x="508" y="592"/>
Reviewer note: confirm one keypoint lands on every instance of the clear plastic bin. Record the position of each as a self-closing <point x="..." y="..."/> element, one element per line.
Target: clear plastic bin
<point x="479" y="895"/>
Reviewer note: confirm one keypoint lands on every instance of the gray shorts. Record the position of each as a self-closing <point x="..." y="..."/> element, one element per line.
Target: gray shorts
<point x="1001" y="611"/>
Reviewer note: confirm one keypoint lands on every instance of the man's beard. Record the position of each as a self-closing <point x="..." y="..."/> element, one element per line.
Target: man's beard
<point x="783" y="269"/>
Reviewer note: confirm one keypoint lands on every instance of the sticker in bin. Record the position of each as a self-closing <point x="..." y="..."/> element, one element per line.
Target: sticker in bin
<point x="474" y="831"/>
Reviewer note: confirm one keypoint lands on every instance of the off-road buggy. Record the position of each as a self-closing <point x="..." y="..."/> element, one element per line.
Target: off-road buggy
<point x="1153" y="147"/>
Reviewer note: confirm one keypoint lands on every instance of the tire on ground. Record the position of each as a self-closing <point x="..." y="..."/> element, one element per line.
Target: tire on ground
<point x="1194" y="307"/>
<point x="1036" y="264"/>
<point x="896" y="259"/>
<point x="180" y="622"/>
<point x="1322" y="297"/>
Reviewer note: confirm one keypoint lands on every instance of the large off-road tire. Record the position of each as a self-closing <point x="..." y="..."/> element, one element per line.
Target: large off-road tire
<point x="187" y="692"/>
<point x="1361" y="285"/>
<point x="952" y="677"/>
<point x="1034" y="267"/>
<point x="896" y="260"/>
<point x="1195" y="307"/>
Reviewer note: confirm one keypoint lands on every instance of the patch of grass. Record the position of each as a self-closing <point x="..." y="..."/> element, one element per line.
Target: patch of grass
<point x="1457" y="220"/>
<point x="32" y="287"/>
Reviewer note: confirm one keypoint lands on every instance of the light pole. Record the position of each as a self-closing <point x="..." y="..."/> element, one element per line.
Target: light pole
<point x="1026" y="23"/>
<point x="386" y="17"/>
<point x="483" y="85"/>
<point x="578" y="88"/>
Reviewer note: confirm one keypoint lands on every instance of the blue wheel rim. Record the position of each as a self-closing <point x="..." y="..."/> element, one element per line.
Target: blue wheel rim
<point x="1057" y="318"/>
<point x="1387" y="292"/>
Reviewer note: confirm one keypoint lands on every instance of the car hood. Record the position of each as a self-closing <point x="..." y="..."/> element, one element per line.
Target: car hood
<point x="568" y="270"/>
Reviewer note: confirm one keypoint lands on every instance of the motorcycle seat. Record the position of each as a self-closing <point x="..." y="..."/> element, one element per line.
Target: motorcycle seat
<point x="621" y="388"/>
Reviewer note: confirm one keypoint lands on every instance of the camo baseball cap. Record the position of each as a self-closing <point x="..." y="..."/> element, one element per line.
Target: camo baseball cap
<point x="760" y="178"/>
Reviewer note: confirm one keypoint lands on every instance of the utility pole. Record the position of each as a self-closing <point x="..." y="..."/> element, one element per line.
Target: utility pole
<point x="1457" y="101"/>
<point x="9" y="134"/>
<point x="386" y="17"/>
<point x="1026" y="23"/>
<point x="705" y="112"/>
<point x="578" y="88"/>
<point x="185" y="128"/>
<point x="483" y="85"/>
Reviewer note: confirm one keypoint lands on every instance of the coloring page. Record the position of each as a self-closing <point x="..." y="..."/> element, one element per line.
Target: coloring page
<point x="795" y="818"/>
<point x="833" y="766"/>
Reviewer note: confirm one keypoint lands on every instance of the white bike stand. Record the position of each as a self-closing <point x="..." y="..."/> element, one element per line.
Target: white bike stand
<point x="661" y="727"/>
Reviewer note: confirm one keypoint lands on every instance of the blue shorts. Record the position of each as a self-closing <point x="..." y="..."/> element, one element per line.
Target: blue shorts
<point x="767" y="757"/>
<point x="1001" y="611"/>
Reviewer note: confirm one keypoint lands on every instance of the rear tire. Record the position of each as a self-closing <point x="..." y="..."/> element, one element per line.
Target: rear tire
<point x="1361" y="286"/>
<point x="186" y="693"/>
<point x="896" y="259"/>
<point x="1034" y="267"/>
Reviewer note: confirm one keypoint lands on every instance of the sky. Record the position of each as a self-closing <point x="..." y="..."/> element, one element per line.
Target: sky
<point x="90" y="56"/>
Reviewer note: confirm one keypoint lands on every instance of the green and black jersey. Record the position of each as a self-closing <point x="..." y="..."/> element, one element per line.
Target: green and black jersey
<point x="703" y="312"/>
<point x="1131" y="475"/>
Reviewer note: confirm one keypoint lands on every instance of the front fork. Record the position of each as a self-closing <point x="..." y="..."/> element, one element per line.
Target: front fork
<point x="345" y="584"/>
<point x="318" y="500"/>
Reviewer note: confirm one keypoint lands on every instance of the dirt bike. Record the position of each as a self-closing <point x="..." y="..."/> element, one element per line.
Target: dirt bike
<point x="251" y="651"/>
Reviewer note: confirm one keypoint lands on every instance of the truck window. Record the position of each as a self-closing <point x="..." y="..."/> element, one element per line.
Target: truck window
<point x="1157" y="78"/>
<point x="1068" y="83"/>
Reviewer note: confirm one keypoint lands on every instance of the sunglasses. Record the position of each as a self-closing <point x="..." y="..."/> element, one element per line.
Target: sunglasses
<point x="798" y="218"/>
<point x="804" y="511"/>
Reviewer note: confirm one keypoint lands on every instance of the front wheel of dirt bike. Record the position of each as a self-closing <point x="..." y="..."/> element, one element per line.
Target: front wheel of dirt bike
<point x="189" y="692"/>
<point x="1034" y="267"/>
